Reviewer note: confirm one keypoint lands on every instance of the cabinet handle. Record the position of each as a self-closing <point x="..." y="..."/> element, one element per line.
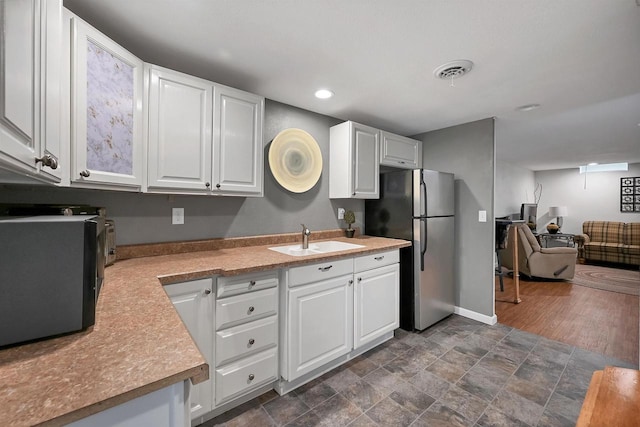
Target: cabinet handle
<point x="252" y="341"/>
<point x="251" y="377"/>
<point x="251" y="309"/>
<point x="217" y="185"/>
<point x="48" y="160"/>
<point x="325" y="268"/>
<point x="207" y="184"/>
<point x="85" y="173"/>
<point x="252" y="283"/>
<point x="379" y="258"/>
<point x="350" y="282"/>
<point x="401" y="162"/>
<point x="207" y="291"/>
<point x="359" y="279"/>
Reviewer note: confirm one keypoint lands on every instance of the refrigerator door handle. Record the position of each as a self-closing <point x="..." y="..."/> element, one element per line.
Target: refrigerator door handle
<point x="423" y="202"/>
<point x="423" y="241"/>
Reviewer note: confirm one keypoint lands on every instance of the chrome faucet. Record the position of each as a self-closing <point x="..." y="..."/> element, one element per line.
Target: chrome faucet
<point x="305" y="236"/>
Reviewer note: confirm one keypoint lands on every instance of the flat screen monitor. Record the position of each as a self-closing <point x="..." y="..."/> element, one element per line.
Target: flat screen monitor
<point x="529" y="213"/>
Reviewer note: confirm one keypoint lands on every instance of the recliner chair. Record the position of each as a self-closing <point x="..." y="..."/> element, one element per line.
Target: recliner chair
<point x="535" y="261"/>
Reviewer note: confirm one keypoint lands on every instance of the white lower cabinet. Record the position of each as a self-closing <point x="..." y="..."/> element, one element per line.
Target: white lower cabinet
<point x="376" y="303"/>
<point x="319" y="322"/>
<point x="246" y="340"/>
<point x="194" y="303"/>
<point x="337" y="307"/>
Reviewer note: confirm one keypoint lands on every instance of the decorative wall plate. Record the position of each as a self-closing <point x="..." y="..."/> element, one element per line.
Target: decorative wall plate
<point x="295" y="160"/>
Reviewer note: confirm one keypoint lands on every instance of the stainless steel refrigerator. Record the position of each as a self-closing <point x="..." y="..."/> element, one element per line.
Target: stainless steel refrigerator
<point x="418" y="205"/>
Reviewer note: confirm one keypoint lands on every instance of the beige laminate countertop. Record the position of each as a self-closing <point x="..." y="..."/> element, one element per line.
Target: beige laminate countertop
<point x="138" y="343"/>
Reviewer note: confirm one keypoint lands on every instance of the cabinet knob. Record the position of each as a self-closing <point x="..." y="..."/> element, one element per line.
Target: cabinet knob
<point x="48" y="160"/>
<point x="217" y="185"/>
<point x="207" y="291"/>
<point x="85" y="173"/>
<point x="251" y="309"/>
<point x="359" y="279"/>
<point x="252" y="283"/>
<point x="251" y="377"/>
<point x="350" y="282"/>
<point x="401" y="162"/>
<point x="353" y="194"/>
<point x="252" y="341"/>
<point x="207" y="184"/>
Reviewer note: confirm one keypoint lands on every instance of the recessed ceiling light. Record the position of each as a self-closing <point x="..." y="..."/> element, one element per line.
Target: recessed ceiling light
<point x="527" y="107"/>
<point x="324" y="94"/>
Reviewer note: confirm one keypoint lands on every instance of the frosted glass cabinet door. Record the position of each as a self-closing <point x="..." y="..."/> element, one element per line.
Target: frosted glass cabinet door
<point x="107" y="115"/>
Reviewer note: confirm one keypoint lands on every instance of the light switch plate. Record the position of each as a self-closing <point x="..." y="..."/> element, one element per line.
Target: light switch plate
<point x="177" y="216"/>
<point x="482" y="216"/>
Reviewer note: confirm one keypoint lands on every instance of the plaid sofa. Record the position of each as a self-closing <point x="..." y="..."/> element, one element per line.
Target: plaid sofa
<point x="609" y="241"/>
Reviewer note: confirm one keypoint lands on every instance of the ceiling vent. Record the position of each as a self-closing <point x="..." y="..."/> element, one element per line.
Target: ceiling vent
<point x="453" y="69"/>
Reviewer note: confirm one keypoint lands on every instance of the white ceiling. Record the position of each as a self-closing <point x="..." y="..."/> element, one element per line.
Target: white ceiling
<point x="579" y="59"/>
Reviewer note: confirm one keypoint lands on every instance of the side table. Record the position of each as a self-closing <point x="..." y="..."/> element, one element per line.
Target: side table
<point x="565" y="237"/>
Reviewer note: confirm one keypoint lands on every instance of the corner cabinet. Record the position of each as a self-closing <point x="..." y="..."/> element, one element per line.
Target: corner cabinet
<point x="203" y="138"/>
<point x="30" y="76"/>
<point x="400" y="151"/>
<point x="354" y="161"/>
<point x="194" y="303"/>
<point x="106" y="117"/>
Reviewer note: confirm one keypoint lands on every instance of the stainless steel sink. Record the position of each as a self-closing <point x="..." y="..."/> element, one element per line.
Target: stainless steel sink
<point x="316" y="248"/>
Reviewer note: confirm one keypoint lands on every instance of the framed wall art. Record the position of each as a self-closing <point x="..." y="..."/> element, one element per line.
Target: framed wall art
<point x="630" y="194"/>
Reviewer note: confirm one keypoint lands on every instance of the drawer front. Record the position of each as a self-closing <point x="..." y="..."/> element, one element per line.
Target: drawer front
<point x="245" y="375"/>
<point x="245" y="339"/>
<point x="235" y="285"/>
<point x="367" y="262"/>
<point x="246" y="307"/>
<point x="321" y="271"/>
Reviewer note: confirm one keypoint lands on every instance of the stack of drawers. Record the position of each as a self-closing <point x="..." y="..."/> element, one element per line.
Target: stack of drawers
<point x="246" y="339"/>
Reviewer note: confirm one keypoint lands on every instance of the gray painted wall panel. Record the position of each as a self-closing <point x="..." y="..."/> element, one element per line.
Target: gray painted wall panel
<point x="468" y="151"/>
<point x="146" y="218"/>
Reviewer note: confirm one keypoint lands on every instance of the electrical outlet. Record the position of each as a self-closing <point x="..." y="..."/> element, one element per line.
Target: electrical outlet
<point x="482" y="216"/>
<point x="177" y="216"/>
<point x="340" y="213"/>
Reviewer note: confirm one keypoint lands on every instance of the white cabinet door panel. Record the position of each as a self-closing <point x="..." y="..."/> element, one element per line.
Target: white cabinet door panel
<point x="248" y="373"/>
<point x="377" y="303"/>
<point x="180" y="131"/>
<point x="400" y="151"/>
<point x="366" y="156"/>
<point x="238" y="151"/>
<point x="194" y="303"/>
<point x="245" y="339"/>
<point x="246" y="307"/>
<point x="320" y="324"/>
<point x="17" y="76"/>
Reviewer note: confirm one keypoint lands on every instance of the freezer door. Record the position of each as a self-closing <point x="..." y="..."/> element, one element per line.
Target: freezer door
<point x="390" y="215"/>
<point x="434" y="286"/>
<point x="439" y="191"/>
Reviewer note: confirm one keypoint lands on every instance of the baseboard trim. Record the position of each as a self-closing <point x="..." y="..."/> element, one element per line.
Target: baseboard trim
<point x="489" y="320"/>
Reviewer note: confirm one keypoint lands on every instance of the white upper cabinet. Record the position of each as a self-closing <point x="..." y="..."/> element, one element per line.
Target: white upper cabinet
<point x="30" y="43"/>
<point x="106" y="117"/>
<point x="400" y="151"/>
<point x="354" y="161"/>
<point x="238" y="151"/>
<point x="204" y="138"/>
<point x="180" y="131"/>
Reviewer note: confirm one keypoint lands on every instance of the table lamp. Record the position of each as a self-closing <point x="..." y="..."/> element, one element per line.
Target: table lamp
<point x="558" y="211"/>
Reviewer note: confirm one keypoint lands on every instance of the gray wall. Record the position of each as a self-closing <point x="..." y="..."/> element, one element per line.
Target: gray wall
<point x="146" y="218"/>
<point x="599" y="201"/>
<point x="468" y="151"/>
<point x="514" y="186"/>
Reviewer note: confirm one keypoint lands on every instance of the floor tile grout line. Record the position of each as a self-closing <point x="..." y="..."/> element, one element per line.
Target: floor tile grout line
<point x="573" y="349"/>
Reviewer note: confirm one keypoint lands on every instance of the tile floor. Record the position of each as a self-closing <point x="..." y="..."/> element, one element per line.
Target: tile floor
<point x="457" y="373"/>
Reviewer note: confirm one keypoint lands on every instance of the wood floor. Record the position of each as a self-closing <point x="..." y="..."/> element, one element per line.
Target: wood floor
<point x="600" y="321"/>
